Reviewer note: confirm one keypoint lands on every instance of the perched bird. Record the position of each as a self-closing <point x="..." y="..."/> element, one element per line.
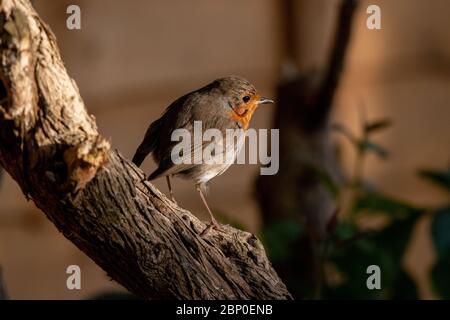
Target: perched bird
<point x="226" y="103"/>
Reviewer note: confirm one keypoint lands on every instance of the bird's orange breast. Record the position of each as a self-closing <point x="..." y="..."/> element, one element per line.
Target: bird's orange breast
<point x="243" y="114"/>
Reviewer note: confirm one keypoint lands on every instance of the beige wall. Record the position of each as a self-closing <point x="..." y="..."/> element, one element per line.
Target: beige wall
<point x="133" y="58"/>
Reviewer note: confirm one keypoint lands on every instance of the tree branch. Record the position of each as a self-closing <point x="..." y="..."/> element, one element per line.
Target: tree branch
<point x="99" y="200"/>
<point x="302" y="114"/>
<point x="327" y="89"/>
<point x="303" y="188"/>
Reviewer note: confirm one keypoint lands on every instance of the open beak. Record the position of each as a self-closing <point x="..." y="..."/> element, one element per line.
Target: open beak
<point x="264" y="101"/>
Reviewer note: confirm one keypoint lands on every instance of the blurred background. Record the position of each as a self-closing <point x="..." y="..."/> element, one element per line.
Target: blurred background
<point x="392" y="98"/>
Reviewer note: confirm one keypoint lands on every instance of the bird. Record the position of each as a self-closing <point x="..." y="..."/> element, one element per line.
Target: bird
<point x="225" y="103"/>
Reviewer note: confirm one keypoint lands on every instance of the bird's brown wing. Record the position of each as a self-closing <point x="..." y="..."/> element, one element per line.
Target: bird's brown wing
<point x="195" y="106"/>
<point x="181" y="163"/>
<point x="154" y="136"/>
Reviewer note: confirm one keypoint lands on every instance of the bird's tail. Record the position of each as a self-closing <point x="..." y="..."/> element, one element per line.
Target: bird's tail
<point x="139" y="157"/>
<point x="148" y="144"/>
<point x="156" y="174"/>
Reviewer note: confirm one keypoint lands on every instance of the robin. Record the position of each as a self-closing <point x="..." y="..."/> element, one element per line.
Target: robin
<point x="226" y="103"/>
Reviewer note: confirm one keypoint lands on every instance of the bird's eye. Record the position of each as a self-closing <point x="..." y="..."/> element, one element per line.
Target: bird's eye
<point x="246" y="99"/>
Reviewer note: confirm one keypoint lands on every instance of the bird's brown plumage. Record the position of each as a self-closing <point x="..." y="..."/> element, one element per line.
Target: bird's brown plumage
<point x="226" y="103"/>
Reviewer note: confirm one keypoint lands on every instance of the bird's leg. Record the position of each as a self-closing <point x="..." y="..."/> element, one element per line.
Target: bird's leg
<point x="213" y="223"/>
<point x="170" y="189"/>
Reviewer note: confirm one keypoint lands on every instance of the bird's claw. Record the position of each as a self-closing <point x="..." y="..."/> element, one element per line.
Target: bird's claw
<point x="212" y="225"/>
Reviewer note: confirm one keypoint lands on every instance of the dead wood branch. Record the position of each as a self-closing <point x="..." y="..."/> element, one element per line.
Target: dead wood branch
<point x="50" y="145"/>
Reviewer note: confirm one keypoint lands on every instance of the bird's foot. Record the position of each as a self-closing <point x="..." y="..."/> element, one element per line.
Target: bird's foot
<point x="212" y="225"/>
<point x="173" y="199"/>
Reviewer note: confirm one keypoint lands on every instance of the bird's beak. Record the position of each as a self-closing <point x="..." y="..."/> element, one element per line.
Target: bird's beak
<point x="264" y="101"/>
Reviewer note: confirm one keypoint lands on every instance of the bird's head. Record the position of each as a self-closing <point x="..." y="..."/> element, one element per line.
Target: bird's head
<point x="241" y="97"/>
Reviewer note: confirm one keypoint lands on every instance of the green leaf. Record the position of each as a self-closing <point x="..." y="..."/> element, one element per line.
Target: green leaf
<point x="374" y="202"/>
<point x="385" y="249"/>
<point x="439" y="178"/>
<point x="345" y="230"/>
<point x="367" y="145"/>
<point x="377" y="125"/>
<point x="279" y="236"/>
<point x="345" y="132"/>
<point x="396" y="236"/>
<point x="440" y="230"/>
<point x="325" y="178"/>
<point x="440" y="276"/>
<point x="352" y="262"/>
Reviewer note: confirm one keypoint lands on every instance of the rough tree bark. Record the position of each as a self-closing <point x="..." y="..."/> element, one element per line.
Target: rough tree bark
<point x="99" y="200"/>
